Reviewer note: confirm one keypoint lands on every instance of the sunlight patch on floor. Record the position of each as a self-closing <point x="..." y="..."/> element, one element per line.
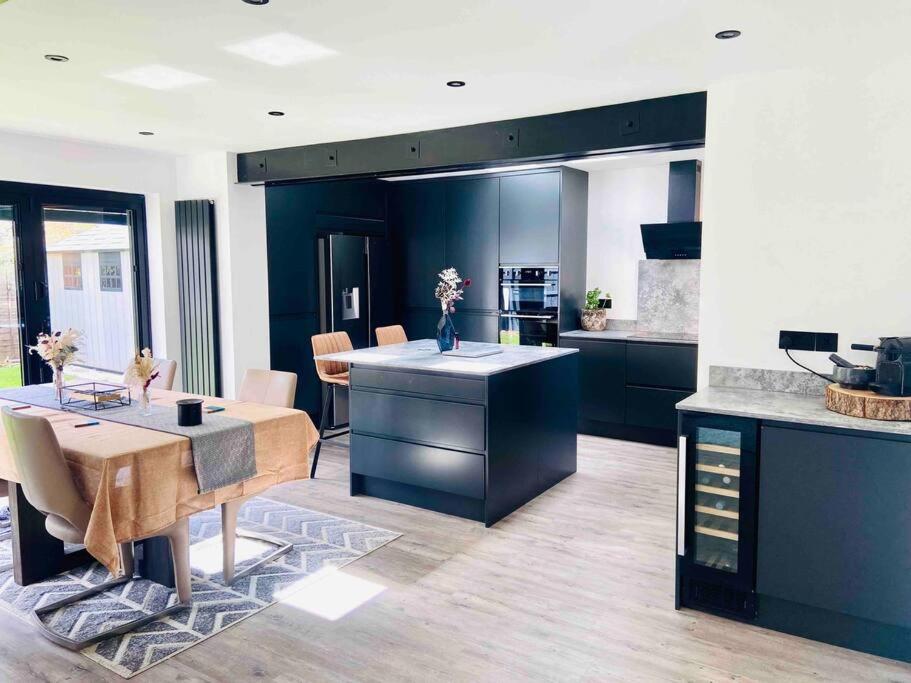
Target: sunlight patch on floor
<point x="329" y="593"/>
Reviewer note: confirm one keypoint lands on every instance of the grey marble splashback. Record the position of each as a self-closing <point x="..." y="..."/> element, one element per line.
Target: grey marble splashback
<point x="669" y="296"/>
<point x="788" y="381"/>
<point x="620" y="324"/>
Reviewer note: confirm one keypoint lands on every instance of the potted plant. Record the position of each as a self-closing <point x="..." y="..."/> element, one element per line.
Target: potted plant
<point x="594" y="314"/>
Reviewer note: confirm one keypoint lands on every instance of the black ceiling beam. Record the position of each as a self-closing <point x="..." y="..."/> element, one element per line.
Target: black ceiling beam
<point x="662" y="123"/>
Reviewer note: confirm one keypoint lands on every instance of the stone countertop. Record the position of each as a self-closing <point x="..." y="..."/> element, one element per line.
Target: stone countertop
<point x="632" y="335"/>
<point x="423" y="354"/>
<point x="783" y="407"/>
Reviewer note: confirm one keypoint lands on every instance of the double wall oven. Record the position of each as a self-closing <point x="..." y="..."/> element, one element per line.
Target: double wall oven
<point x="529" y="305"/>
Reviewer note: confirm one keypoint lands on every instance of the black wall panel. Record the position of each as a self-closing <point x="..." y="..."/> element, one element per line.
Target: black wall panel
<point x="198" y="294"/>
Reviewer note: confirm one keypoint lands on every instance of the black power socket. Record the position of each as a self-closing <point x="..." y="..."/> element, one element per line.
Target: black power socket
<point x="808" y="341"/>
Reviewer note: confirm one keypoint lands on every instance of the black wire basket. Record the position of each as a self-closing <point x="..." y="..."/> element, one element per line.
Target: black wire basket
<point x="95" y="396"/>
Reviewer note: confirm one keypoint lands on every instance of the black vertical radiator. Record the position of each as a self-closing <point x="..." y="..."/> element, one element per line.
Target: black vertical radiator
<point x="200" y="352"/>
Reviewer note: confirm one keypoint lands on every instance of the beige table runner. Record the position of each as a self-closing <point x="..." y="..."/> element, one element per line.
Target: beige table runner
<point x="140" y="481"/>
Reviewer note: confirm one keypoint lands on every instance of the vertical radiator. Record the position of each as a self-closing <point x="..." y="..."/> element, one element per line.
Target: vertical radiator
<point x="198" y="291"/>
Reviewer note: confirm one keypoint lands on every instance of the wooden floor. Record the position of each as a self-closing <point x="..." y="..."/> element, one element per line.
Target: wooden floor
<point x="578" y="585"/>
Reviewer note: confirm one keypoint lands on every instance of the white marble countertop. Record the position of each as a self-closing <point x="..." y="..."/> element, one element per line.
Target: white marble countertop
<point x="633" y="335"/>
<point x="784" y="407"/>
<point x="423" y="354"/>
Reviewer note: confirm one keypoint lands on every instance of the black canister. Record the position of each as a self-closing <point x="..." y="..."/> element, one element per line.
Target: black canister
<point x="189" y="412"/>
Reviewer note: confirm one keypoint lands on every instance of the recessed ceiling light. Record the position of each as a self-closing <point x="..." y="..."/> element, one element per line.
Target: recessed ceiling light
<point x="257" y="2"/>
<point x="276" y="113"/>
<point x="456" y="84"/>
<point x="158" y="77"/>
<point x="727" y="34"/>
<point x="281" y="49"/>
<point x="56" y="58"/>
<point x="146" y="132"/>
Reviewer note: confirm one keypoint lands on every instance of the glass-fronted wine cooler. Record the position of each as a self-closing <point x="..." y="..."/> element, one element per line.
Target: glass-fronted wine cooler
<point x="716" y="514"/>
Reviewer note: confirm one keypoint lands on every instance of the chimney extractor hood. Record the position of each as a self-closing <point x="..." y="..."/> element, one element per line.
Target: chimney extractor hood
<point x="672" y="240"/>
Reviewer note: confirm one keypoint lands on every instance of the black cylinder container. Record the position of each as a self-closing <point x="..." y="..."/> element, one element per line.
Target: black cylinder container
<point x="189" y="412"/>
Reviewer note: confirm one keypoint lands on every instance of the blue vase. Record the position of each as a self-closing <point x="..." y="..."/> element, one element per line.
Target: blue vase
<point x="446" y="333"/>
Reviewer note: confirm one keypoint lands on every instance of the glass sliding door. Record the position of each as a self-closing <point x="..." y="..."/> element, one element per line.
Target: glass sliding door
<point x="90" y="288"/>
<point x="72" y="258"/>
<point x="10" y="320"/>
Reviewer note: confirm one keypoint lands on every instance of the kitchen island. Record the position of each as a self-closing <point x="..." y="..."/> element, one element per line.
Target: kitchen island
<point x="473" y="437"/>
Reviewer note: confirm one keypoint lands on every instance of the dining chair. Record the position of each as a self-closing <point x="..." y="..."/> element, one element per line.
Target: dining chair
<point x="333" y="374"/>
<point x="393" y="334"/>
<point x="167" y="370"/>
<point x="48" y="485"/>
<point x="274" y="388"/>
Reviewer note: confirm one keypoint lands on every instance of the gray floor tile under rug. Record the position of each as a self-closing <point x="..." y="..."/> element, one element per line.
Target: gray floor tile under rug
<point x="321" y="542"/>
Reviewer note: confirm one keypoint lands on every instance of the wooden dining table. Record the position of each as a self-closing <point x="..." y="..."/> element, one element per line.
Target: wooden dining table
<point x="139" y="481"/>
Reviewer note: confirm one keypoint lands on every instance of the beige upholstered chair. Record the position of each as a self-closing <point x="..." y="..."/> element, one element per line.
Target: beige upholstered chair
<point x="167" y="369"/>
<point x="393" y="334"/>
<point x="274" y="388"/>
<point x="333" y="374"/>
<point x="48" y="485"/>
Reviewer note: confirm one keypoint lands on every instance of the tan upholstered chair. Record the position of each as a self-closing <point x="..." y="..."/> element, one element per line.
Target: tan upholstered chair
<point x="333" y="374"/>
<point x="48" y="485"/>
<point x="394" y="334"/>
<point x="274" y="388"/>
<point x="167" y="369"/>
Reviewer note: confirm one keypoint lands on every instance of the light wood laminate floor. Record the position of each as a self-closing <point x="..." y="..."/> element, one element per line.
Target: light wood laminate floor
<point x="577" y="585"/>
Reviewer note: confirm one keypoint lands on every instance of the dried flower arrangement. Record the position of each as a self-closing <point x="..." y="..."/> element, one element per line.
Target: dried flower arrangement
<point x="448" y="290"/>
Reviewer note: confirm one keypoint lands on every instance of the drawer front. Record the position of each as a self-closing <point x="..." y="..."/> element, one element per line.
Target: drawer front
<point x="653" y="408"/>
<point x="438" y="423"/>
<point x="413" y="382"/>
<point x="433" y="468"/>
<point x="661" y="365"/>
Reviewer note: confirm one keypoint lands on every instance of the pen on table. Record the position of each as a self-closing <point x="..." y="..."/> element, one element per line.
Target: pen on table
<point x="87" y="424"/>
<point x="214" y="409"/>
<point x="20" y="407"/>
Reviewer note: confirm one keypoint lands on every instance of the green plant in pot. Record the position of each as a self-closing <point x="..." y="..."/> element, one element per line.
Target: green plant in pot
<point x="594" y="314"/>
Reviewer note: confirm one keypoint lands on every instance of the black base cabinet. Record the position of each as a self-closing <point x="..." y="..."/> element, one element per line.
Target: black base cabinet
<point x="821" y="546"/>
<point x="630" y="390"/>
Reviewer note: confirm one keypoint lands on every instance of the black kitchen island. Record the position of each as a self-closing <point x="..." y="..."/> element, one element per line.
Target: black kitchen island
<point x="472" y="437"/>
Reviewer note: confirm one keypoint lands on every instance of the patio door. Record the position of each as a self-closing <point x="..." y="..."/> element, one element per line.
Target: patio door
<point x="81" y="263"/>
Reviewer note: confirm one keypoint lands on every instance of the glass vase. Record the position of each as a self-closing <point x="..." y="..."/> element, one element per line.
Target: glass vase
<point x="145" y="401"/>
<point x="58" y="383"/>
<point x="446" y="333"/>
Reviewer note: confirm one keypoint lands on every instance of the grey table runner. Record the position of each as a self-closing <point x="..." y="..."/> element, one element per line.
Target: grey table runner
<point x="223" y="447"/>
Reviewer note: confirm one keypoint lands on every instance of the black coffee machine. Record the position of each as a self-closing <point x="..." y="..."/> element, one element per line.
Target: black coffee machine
<point x="893" y="365"/>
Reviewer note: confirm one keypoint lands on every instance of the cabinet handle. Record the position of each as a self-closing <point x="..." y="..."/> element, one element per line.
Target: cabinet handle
<point x="681" y="496"/>
<point x="528" y="317"/>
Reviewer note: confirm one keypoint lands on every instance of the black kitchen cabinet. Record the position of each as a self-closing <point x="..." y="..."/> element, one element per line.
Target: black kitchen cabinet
<point x="833" y="523"/>
<point x="602" y="379"/>
<point x="421" y="323"/>
<point x="471" y="216"/>
<point x="478" y="326"/>
<point x="416" y="218"/>
<point x="530" y="219"/>
<point x="630" y="389"/>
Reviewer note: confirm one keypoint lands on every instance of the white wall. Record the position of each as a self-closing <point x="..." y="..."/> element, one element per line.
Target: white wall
<point x="618" y="202"/>
<point x="50" y="161"/>
<point x="807" y="208"/>
<point x="240" y="227"/>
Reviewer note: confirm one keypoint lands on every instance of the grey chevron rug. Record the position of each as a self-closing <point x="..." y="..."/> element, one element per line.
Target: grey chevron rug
<point x="322" y="544"/>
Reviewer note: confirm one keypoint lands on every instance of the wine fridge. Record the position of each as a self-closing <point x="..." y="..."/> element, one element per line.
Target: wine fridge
<point x="717" y="490"/>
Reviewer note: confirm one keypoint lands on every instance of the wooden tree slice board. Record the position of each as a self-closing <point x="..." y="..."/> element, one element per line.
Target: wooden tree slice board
<point x="864" y="403"/>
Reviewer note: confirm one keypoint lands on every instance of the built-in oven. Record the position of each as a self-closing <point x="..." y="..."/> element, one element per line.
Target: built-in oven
<point x="529" y="305"/>
<point x="533" y="289"/>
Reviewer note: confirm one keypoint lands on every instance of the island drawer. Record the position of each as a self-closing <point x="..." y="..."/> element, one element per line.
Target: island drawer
<point x="434" y="468"/>
<point x="439" y="423"/>
<point x="463" y="388"/>
<point x="661" y="365"/>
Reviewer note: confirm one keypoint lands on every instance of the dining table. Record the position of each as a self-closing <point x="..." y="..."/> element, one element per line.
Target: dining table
<point x="140" y="480"/>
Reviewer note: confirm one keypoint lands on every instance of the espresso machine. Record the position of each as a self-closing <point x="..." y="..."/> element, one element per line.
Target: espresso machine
<point x="893" y="365"/>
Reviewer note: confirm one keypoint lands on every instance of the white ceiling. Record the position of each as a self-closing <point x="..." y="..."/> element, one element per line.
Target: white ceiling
<point x="390" y="63"/>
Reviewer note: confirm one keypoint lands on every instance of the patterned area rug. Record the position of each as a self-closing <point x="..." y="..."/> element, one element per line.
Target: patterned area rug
<point x="321" y="543"/>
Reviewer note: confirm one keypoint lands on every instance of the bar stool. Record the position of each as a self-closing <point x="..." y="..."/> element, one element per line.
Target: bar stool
<point x="333" y="374"/>
<point x="393" y="334"/>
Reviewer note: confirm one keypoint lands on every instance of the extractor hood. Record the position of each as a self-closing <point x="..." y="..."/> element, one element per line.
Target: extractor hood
<point x="681" y="236"/>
